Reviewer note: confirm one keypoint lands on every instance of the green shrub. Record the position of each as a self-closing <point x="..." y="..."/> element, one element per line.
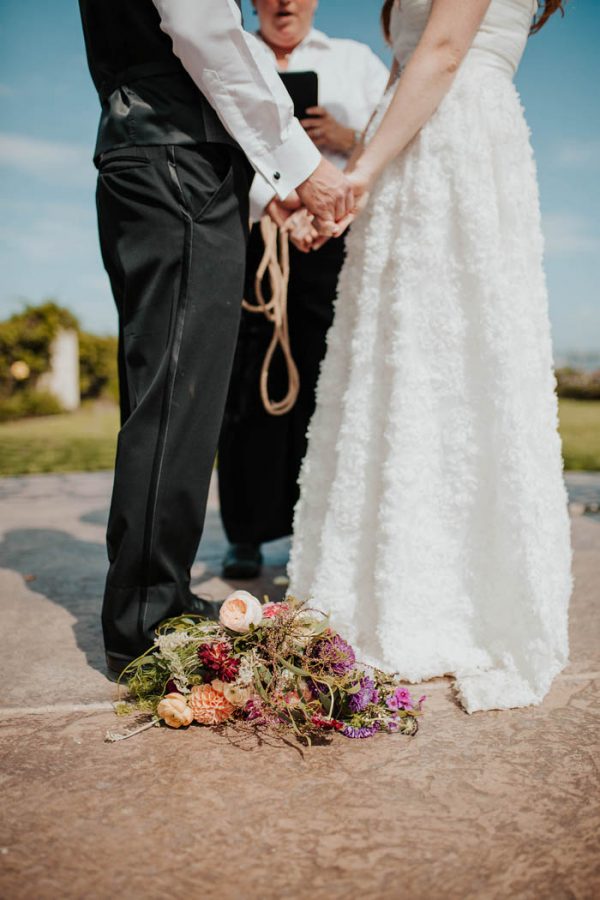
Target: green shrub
<point x="578" y="385"/>
<point x="27" y="336"/>
<point x="98" y="376"/>
<point x="28" y="402"/>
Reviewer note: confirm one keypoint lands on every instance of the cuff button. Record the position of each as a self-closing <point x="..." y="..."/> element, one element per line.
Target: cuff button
<point x="276" y="176"/>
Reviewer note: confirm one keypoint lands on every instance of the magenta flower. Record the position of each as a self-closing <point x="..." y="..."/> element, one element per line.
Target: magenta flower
<point x="400" y="699"/>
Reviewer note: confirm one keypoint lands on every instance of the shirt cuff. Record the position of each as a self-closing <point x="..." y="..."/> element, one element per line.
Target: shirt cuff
<point x="291" y="163"/>
<point x="261" y="194"/>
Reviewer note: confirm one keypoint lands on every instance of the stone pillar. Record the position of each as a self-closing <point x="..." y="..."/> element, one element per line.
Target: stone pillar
<point x="62" y="379"/>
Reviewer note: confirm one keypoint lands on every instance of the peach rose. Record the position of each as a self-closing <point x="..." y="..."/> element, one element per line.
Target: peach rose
<point x="174" y="710"/>
<point x="209" y="706"/>
<point x="239" y="611"/>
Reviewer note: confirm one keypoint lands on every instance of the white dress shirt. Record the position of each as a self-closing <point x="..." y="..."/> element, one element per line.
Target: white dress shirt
<point x="352" y="80"/>
<point x="238" y="79"/>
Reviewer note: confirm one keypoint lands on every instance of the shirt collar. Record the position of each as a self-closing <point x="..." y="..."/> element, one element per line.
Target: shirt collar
<point x="313" y="38"/>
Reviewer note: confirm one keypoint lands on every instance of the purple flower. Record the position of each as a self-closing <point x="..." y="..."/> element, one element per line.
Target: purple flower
<point x="365" y="695"/>
<point x="362" y="731"/>
<point x="317" y="687"/>
<point x="400" y="699"/>
<point x="335" y="654"/>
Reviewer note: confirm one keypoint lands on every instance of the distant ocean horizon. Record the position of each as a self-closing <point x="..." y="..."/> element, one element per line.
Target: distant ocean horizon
<point x="589" y="360"/>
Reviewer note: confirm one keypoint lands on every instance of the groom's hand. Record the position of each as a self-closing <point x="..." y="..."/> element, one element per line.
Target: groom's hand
<point x="281" y="210"/>
<point x="328" y="195"/>
<point x="362" y="184"/>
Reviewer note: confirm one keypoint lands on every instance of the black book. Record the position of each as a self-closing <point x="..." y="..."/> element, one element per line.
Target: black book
<point x="303" y="88"/>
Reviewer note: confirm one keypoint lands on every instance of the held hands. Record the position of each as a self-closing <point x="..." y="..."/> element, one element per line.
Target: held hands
<point x="301" y="230"/>
<point x="327" y="194"/>
<point x="308" y="231"/>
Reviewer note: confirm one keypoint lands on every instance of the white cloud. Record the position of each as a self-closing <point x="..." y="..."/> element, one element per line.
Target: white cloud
<point x="54" y="161"/>
<point x="578" y="153"/>
<point x="569" y="233"/>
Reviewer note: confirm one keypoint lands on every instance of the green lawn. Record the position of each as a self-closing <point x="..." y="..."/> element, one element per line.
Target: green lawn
<point x="84" y="441"/>
<point x="580" y="430"/>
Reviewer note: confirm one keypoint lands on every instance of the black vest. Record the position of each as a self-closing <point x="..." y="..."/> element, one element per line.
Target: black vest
<point x="147" y="97"/>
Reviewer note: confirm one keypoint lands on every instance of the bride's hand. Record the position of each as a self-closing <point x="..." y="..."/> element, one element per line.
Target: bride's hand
<point x="301" y="230"/>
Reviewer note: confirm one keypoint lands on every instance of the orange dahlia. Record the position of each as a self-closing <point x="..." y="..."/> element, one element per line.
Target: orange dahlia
<point x="208" y="706"/>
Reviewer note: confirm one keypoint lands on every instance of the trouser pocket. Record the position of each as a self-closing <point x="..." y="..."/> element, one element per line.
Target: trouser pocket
<point x="201" y="175"/>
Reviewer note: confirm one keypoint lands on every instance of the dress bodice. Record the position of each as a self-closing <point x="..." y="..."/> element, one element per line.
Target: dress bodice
<point x="499" y="43"/>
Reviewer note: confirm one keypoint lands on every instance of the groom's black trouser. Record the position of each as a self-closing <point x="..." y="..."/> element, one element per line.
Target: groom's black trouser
<point x="173" y="231"/>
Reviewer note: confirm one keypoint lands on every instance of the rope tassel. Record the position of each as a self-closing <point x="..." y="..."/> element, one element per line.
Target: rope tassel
<point x="276" y="263"/>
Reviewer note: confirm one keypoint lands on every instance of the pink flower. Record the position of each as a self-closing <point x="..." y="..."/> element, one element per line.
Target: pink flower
<point x="270" y="610"/>
<point x="400" y="699"/>
<point x="292" y="698"/>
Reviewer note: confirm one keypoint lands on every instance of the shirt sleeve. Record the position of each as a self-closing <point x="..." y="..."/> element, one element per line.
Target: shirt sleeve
<point x="243" y="86"/>
<point x="261" y="194"/>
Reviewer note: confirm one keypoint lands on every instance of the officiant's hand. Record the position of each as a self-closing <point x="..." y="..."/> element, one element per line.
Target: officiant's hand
<point x="328" y="195"/>
<point x="327" y="133"/>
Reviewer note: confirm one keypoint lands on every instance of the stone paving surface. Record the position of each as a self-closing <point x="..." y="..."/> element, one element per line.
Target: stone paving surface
<point x="493" y="805"/>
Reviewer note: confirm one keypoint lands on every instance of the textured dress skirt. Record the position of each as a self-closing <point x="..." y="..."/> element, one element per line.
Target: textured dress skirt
<point x="432" y="521"/>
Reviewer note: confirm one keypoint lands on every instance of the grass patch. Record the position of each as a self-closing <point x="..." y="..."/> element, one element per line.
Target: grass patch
<point x="81" y="441"/>
<point x="84" y="441"/>
<point x="580" y="430"/>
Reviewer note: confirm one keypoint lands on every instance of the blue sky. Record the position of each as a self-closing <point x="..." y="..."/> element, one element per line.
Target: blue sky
<point x="48" y="117"/>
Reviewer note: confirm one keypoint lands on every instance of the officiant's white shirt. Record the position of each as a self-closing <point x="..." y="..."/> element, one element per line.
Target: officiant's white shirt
<point x="237" y="77"/>
<point x="352" y="80"/>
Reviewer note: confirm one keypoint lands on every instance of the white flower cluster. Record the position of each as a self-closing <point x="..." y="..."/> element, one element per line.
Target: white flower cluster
<point x="246" y="666"/>
<point x="172" y="641"/>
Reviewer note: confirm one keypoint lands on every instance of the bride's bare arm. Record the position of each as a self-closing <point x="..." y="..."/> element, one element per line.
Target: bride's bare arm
<point x="428" y="75"/>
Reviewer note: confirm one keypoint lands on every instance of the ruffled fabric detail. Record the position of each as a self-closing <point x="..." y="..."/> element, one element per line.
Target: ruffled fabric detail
<point x="433" y="520"/>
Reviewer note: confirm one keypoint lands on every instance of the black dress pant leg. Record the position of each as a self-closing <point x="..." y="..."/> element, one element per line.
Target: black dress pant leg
<point x="173" y="230"/>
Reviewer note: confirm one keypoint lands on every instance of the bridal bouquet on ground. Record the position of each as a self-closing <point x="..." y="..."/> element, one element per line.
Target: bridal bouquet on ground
<point x="273" y="664"/>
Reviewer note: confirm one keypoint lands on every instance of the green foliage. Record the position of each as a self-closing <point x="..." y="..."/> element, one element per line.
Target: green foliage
<point x="98" y="366"/>
<point x="27" y="336"/>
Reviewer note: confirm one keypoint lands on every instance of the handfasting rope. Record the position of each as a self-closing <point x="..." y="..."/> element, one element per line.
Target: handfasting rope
<point x="275" y="262"/>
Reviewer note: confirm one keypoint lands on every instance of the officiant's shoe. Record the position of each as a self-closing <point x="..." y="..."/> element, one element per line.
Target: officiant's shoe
<point x="200" y="607"/>
<point x="116" y="663"/>
<point x="242" y="561"/>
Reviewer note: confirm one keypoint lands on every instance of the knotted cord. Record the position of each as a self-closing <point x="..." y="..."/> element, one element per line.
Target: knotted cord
<point x="275" y="262"/>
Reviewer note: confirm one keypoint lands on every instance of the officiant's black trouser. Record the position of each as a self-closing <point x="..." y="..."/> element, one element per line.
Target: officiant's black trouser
<point x="260" y="454"/>
<point x="173" y="232"/>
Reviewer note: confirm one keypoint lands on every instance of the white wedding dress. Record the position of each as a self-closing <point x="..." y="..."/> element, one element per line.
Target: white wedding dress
<point x="432" y="520"/>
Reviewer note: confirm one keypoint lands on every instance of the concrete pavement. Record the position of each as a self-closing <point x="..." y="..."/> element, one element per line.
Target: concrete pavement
<point x="493" y="805"/>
